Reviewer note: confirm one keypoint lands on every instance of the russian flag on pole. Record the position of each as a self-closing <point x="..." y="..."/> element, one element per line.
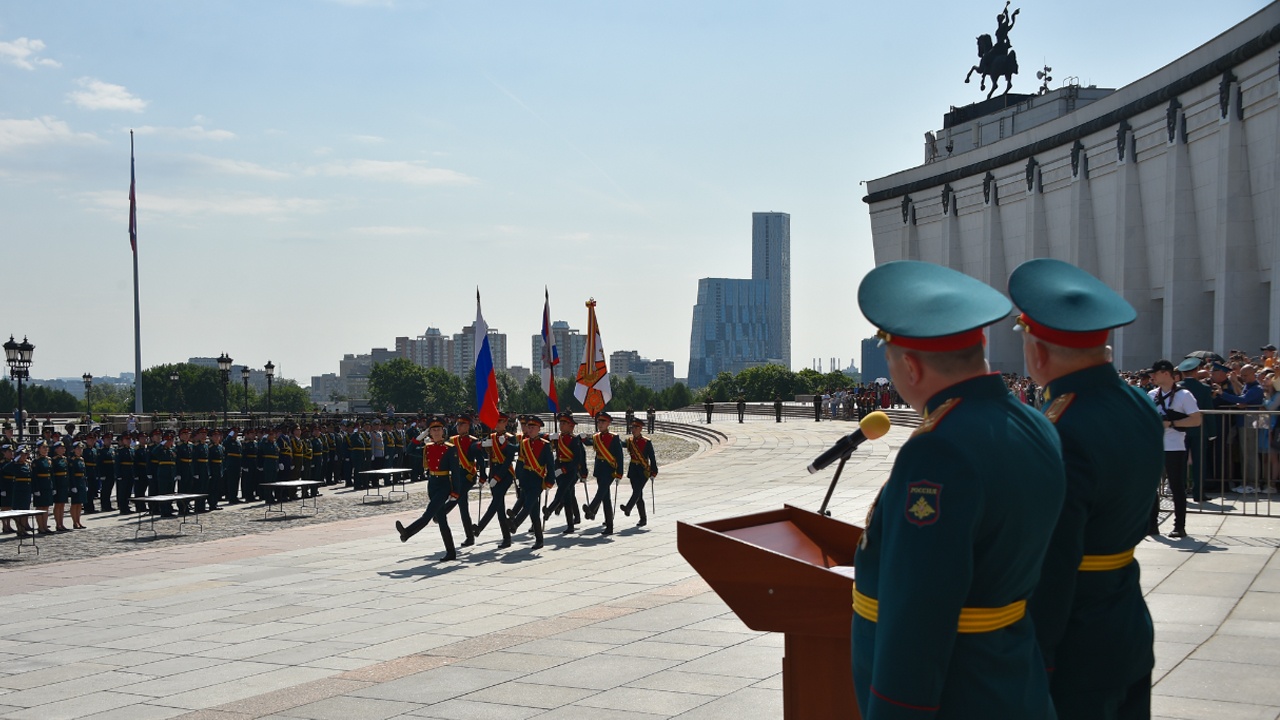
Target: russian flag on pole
<point x="486" y="378"/>
<point x="550" y="357"/>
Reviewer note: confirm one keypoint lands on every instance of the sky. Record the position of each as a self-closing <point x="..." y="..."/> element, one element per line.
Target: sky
<point x="318" y="177"/>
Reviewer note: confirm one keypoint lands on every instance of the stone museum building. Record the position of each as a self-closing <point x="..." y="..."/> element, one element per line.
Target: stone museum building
<point x="1168" y="189"/>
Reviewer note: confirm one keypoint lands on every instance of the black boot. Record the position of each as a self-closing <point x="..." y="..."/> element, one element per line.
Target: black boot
<point x="400" y="529"/>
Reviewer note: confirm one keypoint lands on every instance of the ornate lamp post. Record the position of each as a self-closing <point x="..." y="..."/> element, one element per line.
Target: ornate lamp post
<point x="18" y="355"/>
<point x="177" y="390"/>
<point x="88" y="399"/>
<point x="244" y="375"/>
<point x="224" y="369"/>
<point x="271" y="375"/>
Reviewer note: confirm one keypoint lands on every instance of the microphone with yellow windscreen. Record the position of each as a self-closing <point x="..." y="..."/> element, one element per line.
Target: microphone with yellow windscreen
<point x="872" y="427"/>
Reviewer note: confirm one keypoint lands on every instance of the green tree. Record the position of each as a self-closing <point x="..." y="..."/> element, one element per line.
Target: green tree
<point x="110" y="400"/>
<point x="675" y="397"/>
<point x="36" y="399"/>
<point x="764" y="383"/>
<point x="810" y="382"/>
<point x="722" y="388"/>
<point x="400" y="383"/>
<point x="289" y="397"/>
<point x="445" y="392"/>
<point x="199" y="389"/>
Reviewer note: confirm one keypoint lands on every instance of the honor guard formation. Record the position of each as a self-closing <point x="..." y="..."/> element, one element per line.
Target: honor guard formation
<point x="539" y="466"/>
<point x="996" y="574"/>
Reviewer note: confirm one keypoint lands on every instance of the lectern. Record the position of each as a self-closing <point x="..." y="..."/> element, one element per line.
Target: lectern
<point x="788" y="571"/>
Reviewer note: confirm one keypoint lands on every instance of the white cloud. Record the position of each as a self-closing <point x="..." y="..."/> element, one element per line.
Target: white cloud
<point x="98" y="95"/>
<point x="39" y="131"/>
<point x="23" y="53"/>
<point x="195" y="132"/>
<point x="391" y="230"/>
<point x="239" y="167"/>
<point x="402" y="171"/>
<point x="369" y="139"/>
<point x="239" y="204"/>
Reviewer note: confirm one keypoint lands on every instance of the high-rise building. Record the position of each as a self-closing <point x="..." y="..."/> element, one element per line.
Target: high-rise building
<point x="431" y="349"/>
<point x="656" y="375"/>
<point x="571" y="345"/>
<point x="771" y="264"/>
<point x="739" y="324"/>
<point x="464" y="350"/>
<point x="874" y="364"/>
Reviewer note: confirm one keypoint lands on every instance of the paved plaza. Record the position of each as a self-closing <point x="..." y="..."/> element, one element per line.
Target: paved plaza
<point x="340" y="620"/>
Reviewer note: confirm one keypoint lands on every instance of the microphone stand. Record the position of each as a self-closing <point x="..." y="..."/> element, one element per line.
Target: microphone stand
<point x="832" y="488"/>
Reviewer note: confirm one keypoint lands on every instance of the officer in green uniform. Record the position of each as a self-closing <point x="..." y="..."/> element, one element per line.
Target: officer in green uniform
<point x="106" y="471"/>
<point x="358" y="447"/>
<point x="269" y="457"/>
<point x="217" y="457"/>
<point x="91" y="472"/>
<point x="184" y="452"/>
<point x="252" y="469"/>
<point x="200" y="463"/>
<point x="78" y="483"/>
<point x="166" y="470"/>
<point x="233" y="456"/>
<point x="955" y="539"/>
<point x="1093" y="626"/>
<point x="42" y="484"/>
<point x="570" y="467"/>
<point x="1191" y="381"/>
<point x="61" y="486"/>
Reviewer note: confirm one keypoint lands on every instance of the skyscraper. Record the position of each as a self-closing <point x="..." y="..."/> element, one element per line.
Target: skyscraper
<point x="740" y="323"/>
<point x="771" y="264"/>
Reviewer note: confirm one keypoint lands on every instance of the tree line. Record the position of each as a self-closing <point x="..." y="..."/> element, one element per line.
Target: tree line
<point x="764" y="383"/>
<point x="411" y="388"/>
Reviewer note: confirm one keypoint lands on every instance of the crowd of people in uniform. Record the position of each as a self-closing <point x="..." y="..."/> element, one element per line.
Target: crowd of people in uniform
<point x="72" y="474"/>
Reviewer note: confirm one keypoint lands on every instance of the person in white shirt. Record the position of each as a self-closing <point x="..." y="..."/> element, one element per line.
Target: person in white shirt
<point x="1178" y="409"/>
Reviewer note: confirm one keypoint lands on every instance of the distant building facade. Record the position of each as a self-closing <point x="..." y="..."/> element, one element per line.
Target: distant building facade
<point x="570" y="344"/>
<point x="874" y="364"/>
<point x="739" y="323"/>
<point x="1168" y="189"/>
<point x="656" y="375"/>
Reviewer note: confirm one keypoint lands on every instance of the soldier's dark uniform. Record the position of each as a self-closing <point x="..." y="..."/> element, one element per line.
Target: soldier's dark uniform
<point x="607" y="470"/>
<point x="200" y="466"/>
<point x="440" y="458"/>
<point x="166" y="460"/>
<point x="955" y="540"/>
<point x="124" y="473"/>
<point x="106" y="472"/>
<point x="185" y="454"/>
<point x="61" y="485"/>
<point x="358" y="447"/>
<point x="217" y="460"/>
<point x="78" y="482"/>
<point x="269" y="458"/>
<point x="643" y="466"/>
<point x="501" y="451"/>
<point x="252" y="469"/>
<point x="570" y="467"/>
<point x="92" y="482"/>
<point x="468" y="467"/>
<point x="532" y="469"/>
<point x="233" y="459"/>
<point x="1090" y="617"/>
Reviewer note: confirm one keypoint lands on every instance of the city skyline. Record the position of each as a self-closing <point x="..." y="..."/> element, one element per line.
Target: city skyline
<point x="352" y="167"/>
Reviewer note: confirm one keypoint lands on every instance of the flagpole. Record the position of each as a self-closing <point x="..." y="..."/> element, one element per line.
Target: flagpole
<point x="137" y="315"/>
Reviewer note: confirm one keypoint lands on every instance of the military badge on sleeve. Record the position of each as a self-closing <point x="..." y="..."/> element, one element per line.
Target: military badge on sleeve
<point x="924" y="503"/>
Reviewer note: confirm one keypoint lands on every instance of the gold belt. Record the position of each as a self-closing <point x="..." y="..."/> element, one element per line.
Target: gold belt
<point x="440" y="473"/>
<point x="1100" y="563"/>
<point x="972" y="620"/>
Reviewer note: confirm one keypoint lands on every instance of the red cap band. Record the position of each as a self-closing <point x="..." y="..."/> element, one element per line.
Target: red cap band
<point x="945" y="343"/>
<point x="1065" y="338"/>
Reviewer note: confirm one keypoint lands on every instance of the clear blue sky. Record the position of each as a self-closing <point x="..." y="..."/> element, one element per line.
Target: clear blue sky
<point x="317" y="177"/>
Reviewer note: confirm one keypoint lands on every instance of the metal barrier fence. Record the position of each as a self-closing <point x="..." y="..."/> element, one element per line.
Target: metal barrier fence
<point x="1233" y="468"/>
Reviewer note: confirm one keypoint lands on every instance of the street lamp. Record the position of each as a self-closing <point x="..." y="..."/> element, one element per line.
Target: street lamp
<point x="177" y="394"/>
<point x="88" y="400"/>
<point x="18" y="355"/>
<point x="224" y="368"/>
<point x="271" y="375"/>
<point x="244" y="375"/>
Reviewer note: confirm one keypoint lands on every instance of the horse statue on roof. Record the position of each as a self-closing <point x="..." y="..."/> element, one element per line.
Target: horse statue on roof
<point x="997" y="58"/>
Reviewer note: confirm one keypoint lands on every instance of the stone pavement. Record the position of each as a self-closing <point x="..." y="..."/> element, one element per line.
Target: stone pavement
<point x="340" y="619"/>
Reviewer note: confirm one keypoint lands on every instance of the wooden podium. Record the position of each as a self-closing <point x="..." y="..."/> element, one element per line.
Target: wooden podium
<point x="774" y="569"/>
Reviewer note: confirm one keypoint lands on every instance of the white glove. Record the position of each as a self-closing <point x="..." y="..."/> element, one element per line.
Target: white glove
<point x="559" y="472"/>
<point x="487" y="443"/>
<point x="490" y="483"/>
<point x="554" y="436"/>
<point x="280" y="467"/>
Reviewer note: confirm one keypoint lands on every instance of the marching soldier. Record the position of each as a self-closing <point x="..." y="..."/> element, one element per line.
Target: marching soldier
<point x="940" y="602"/>
<point x="468" y="467"/>
<point x="642" y="468"/>
<point x="531" y="472"/>
<point x="1091" y="621"/>
<point x="571" y="465"/>
<point x="439" y="456"/>
<point x="502" y="450"/>
<point x="607" y="470"/>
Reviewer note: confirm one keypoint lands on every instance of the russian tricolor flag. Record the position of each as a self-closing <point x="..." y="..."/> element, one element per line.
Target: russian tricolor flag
<point x="486" y="378"/>
<point x="550" y="356"/>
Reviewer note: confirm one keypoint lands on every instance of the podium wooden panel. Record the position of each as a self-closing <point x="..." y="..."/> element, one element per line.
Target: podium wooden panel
<point x="774" y="570"/>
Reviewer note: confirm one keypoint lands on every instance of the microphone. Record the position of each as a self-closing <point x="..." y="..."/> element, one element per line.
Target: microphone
<point x="872" y="427"/>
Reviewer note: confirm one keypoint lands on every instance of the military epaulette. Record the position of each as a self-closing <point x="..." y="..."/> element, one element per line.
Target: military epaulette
<point x="932" y="419"/>
<point x="1058" y="406"/>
